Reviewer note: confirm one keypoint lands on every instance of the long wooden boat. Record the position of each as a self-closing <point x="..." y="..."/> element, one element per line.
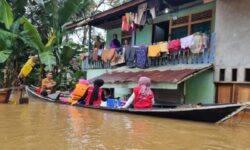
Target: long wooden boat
<point x="5" y="95"/>
<point x="214" y="113"/>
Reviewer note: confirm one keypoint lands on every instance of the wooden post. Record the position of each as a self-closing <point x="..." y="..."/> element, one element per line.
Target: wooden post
<point x="90" y="28"/>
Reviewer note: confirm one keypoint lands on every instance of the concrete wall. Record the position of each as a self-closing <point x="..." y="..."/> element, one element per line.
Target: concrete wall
<point x="200" y="88"/>
<point x="233" y="37"/>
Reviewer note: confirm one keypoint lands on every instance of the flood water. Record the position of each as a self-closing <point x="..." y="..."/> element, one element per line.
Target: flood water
<point x="42" y="125"/>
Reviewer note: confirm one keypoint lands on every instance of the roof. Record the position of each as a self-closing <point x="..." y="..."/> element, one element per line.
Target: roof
<point x="174" y="75"/>
<point x="112" y="17"/>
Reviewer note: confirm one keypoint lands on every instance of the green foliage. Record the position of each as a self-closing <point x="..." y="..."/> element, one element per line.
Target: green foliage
<point x="6" y="16"/>
<point x="47" y="57"/>
<point x="4" y="55"/>
<point x="30" y="35"/>
<point x="69" y="8"/>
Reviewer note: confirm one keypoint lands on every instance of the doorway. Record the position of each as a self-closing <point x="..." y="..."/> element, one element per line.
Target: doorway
<point x="160" y="32"/>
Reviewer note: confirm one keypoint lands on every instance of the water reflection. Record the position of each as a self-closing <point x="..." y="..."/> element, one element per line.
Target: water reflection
<point x="42" y="125"/>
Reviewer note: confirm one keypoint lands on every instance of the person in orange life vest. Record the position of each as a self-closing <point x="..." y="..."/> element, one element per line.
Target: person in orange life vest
<point x="95" y="94"/>
<point x="80" y="89"/>
<point x="142" y="96"/>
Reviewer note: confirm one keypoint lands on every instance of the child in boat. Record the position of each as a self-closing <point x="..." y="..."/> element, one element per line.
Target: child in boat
<point x="94" y="95"/>
<point x="142" y="96"/>
<point x="80" y="89"/>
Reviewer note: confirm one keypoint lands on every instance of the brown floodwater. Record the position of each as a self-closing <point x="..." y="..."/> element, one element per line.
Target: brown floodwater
<point x="45" y="126"/>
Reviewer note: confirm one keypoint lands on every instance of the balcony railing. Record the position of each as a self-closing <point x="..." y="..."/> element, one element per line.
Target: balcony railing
<point x="180" y="57"/>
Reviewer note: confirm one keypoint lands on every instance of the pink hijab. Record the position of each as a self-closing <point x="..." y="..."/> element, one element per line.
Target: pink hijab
<point x="144" y="83"/>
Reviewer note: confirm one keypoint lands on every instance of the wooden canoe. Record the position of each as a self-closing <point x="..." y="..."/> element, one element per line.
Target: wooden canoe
<point x="214" y="113"/>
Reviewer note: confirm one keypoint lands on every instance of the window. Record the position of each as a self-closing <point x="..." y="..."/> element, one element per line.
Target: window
<point x="222" y="74"/>
<point x="247" y="75"/>
<point x="186" y="25"/>
<point x="178" y="33"/>
<point x="234" y="74"/>
<point x="160" y="32"/>
<point x="202" y="27"/>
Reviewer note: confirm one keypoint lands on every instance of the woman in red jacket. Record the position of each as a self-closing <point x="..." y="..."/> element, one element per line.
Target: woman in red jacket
<point x="95" y="94"/>
<point x="142" y="96"/>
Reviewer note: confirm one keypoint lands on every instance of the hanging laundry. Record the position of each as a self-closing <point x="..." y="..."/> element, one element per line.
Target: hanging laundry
<point x="130" y="56"/>
<point x="205" y="42"/>
<point x="128" y="17"/>
<point x="99" y="52"/>
<point x="174" y="46"/>
<point x="141" y="9"/>
<point x="118" y="58"/>
<point x="154" y="51"/>
<point x="108" y="54"/>
<point x="186" y="42"/>
<point x="197" y="43"/>
<point x="95" y="55"/>
<point x="125" y="25"/>
<point x="153" y="13"/>
<point x="143" y="20"/>
<point x="154" y="6"/>
<point x="136" y="19"/>
<point x="164" y="47"/>
<point x="141" y="57"/>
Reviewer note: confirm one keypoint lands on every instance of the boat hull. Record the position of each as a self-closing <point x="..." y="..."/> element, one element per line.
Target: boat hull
<point x="211" y="114"/>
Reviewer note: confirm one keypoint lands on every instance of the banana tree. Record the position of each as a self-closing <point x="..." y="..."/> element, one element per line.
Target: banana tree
<point x="14" y="42"/>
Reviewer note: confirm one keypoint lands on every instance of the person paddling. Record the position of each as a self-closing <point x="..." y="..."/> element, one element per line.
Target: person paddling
<point x="142" y="96"/>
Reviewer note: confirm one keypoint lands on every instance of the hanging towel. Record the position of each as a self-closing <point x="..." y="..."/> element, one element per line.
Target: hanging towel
<point x="154" y="51"/>
<point x="186" y="42"/>
<point x="164" y="47"/>
<point x="153" y="13"/>
<point x="130" y="56"/>
<point x="143" y="19"/>
<point x="141" y="57"/>
<point x="174" y="46"/>
<point x="125" y="25"/>
<point x="197" y="44"/>
<point x="141" y="9"/>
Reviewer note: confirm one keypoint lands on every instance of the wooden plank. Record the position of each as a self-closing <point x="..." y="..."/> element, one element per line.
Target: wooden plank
<point x="224" y="93"/>
<point x="242" y="93"/>
<point x="189" y="24"/>
<point x="201" y="21"/>
<point x="180" y="25"/>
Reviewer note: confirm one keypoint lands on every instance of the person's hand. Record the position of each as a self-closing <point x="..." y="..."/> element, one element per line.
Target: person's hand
<point x="73" y="103"/>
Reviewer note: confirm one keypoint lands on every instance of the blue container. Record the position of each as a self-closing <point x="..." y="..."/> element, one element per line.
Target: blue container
<point x="113" y="103"/>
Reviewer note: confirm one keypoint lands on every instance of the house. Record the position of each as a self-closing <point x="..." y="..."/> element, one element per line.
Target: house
<point x="232" y="63"/>
<point x="178" y="80"/>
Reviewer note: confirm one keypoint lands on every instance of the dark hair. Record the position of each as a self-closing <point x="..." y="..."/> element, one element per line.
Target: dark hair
<point x="115" y="35"/>
<point x="97" y="84"/>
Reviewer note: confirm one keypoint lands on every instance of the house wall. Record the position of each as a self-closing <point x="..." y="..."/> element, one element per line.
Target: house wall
<point x="184" y="12"/>
<point x="110" y="33"/>
<point x="144" y="37"/>
<point x="233" y="36"/>
<point x="200" y="88"/>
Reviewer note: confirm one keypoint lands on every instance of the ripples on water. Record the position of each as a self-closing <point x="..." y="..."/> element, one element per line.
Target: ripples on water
<point x="42" y="125"/>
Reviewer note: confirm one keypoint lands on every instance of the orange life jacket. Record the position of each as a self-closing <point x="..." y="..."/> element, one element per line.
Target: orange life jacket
<point x="78" y="92"/>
